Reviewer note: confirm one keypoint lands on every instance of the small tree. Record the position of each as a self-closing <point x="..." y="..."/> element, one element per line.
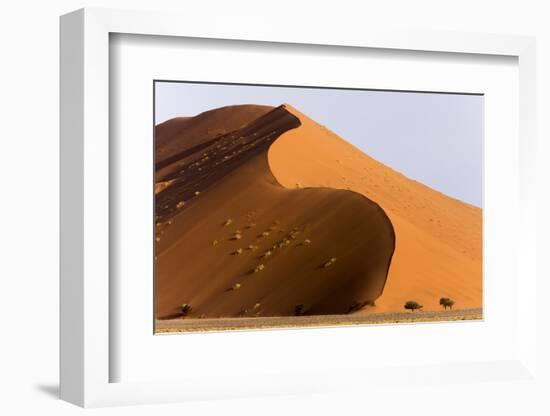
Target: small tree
<point x="299" y="310"/>
<point x="185" y="309"/>
<point x="412" y="305"/>
<point x="447" y="303"/>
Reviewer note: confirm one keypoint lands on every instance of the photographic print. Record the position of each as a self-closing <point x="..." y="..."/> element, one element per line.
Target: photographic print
<point x="288" y="207"/>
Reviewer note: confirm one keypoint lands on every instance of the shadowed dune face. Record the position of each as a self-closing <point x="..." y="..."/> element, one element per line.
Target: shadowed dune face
<point x="182" y="133"/>
<point x="231" y="241"/>
<point x="438" y="239"/>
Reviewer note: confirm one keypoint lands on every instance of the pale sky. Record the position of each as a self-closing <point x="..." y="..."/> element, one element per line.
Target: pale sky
<point x="436" y="139"/>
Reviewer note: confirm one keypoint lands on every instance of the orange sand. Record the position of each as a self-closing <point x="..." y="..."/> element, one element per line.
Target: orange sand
<point x="438" y="239"/>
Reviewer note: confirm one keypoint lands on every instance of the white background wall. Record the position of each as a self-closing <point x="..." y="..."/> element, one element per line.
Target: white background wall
<point x="29" y="202"/>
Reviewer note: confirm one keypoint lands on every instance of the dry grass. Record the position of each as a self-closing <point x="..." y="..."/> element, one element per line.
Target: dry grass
<point x="330" y="262"/>
<point x="236" y="236"/>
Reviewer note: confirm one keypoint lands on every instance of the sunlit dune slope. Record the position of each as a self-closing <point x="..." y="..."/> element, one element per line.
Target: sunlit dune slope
<point x="231" y="241"/>
<point x="438" y="239"/>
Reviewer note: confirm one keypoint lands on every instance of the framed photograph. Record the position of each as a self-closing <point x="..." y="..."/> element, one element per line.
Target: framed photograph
<point x="282" y="213"/>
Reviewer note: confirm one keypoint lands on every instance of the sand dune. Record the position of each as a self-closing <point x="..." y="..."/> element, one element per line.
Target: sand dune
<point x="253" y="202"/>
<point x="438" y="239"/>
<point x="231" y="241"/>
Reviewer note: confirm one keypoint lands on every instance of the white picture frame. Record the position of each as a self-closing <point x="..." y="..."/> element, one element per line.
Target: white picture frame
<point x="86" y="356"/>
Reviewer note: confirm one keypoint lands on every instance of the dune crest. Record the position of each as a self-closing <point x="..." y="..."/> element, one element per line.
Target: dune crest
<point x="438" y="239"/>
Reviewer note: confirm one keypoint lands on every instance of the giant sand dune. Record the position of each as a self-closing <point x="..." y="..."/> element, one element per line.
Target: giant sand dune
<point x="262" y="211"/>
<point x="232" y="241"/>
